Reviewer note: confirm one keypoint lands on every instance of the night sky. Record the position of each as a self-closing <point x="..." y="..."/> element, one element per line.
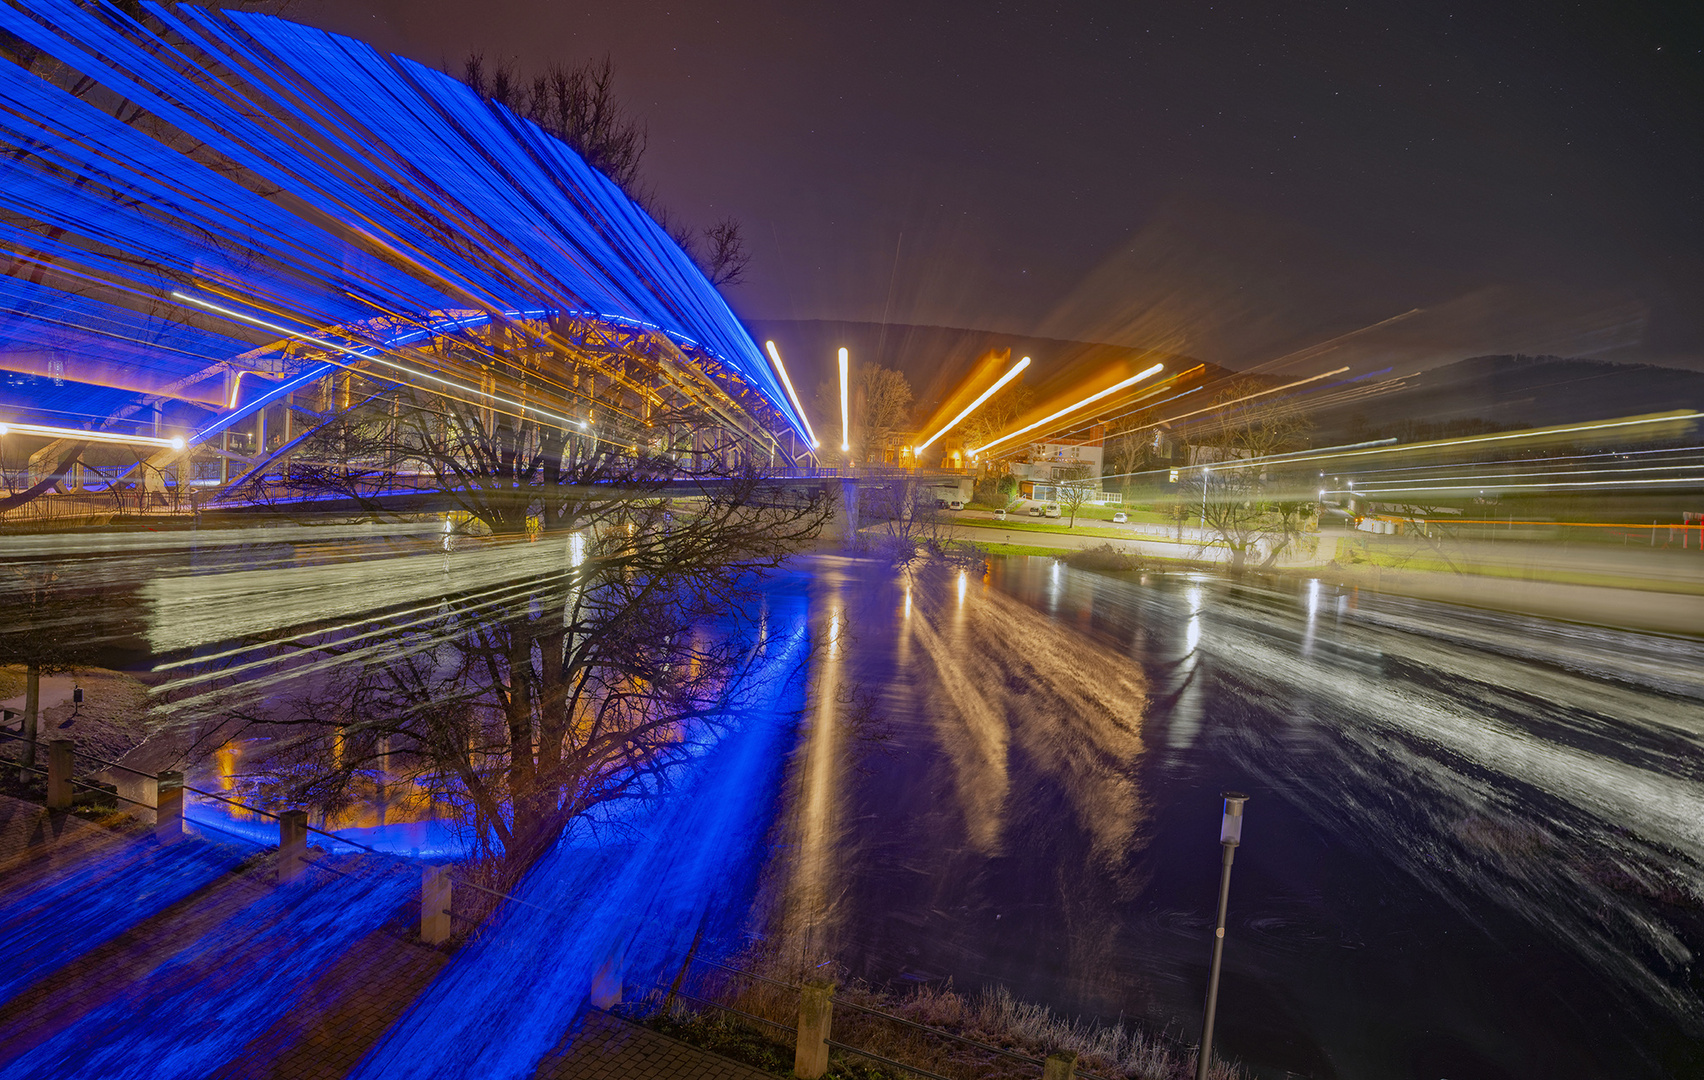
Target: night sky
<point x="1232" y="181"/>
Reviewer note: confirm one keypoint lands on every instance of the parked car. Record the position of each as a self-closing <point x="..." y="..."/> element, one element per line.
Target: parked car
<point x="955" y="505"/>
<point x="1000" y="515"/>
<point x="1120" y="518"/>
<point x="1035" y="509"/>
<point x="1050" y="510"/>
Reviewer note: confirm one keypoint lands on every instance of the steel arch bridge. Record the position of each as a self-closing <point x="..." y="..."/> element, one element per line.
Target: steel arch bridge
<point x="216" y="228"/>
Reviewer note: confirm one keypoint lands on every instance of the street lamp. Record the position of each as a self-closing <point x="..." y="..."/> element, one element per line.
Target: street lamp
<point x="1205" y="473"/>
<point x="1230" y="835"/>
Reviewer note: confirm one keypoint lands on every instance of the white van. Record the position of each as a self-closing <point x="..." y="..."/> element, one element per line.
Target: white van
<point x="1050" y="510"/>
<point x="954" y="504"/>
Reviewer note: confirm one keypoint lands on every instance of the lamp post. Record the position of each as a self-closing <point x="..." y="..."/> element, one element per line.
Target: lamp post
<point x="1230" y="835"/>
<point x="1205" y="473"/>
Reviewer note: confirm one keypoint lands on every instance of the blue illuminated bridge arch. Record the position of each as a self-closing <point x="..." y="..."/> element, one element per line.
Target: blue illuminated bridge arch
<point x="213" y="223"/>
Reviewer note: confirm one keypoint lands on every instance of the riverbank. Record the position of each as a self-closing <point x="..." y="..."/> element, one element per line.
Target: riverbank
<point x="1650" y="592"/>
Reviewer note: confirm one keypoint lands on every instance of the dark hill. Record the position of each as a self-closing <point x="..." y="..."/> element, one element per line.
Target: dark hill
<point x="934" y="358"/>
<point x="1474" y="394"/>
<point x="1511" y="392"/>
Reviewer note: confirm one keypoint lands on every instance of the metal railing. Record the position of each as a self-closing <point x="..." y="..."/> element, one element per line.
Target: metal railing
<point x="867" y="1010"/>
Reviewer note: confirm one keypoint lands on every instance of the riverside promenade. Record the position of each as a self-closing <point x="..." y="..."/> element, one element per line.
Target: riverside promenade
<point x="328" y="1029"/>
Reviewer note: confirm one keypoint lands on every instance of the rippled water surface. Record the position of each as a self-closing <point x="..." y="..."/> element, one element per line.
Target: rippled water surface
<point x="1473" y="844"/>
<point x="1472" y="849"/>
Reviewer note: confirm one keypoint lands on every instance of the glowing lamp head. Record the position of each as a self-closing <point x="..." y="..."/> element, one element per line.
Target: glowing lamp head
<point x="177" y="442"/>
<point x="816" y="444"/>
<point x="845" y="448"/>
<point x="1230" y="829"/>
<point x="4" y="430"/>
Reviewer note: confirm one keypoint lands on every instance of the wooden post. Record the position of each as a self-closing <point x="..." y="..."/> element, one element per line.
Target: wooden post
<point x="168" y="807"/>
<point x="1060" y="1065"/>
<point x="434" y="904"/>
<point x="60" y="761"/>
<point x="292" y="844"/>
<point x="816" y="1011"/>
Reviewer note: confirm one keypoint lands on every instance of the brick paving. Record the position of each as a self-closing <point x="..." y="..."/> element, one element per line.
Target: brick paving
<point x="341" y="1016"/>
<point x="34" y="841"/>
<point x="609" y="1048"/>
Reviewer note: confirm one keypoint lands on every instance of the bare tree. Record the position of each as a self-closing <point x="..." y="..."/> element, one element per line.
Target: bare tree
<point x="1131" y="446"/>
<point x="1254" y="508"/>
<point x="881" y="409"/>
<point x="1074" y="493"/>
<point x="997" y="414"/>
<point x="589" y="681"/>
<point x="578" y="105"/>
<point x="885" y="404"/>
<point x="51" y="624"/>
<point x="904" y="514"/>
<point x="726" y="256"/>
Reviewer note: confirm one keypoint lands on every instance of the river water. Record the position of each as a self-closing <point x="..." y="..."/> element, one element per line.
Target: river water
<point x="1473" y="841"/>
<point x="1472" y="846"/>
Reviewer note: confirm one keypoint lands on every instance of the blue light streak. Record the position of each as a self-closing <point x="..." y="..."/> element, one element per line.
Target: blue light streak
<point x="398" y="190"/>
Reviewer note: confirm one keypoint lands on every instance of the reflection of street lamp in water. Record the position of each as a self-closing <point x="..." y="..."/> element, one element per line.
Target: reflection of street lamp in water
<point x="1230" y="835"/>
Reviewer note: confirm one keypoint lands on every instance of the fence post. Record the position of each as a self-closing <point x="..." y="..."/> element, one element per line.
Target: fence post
<point x="1060" y="1065"/>
<point x="60" y="761"/>
<point x="292" y="844"/>
<point x="434" y="904"/>
<point x="138" y="795"/>
<point x="816" y="1010"/>
<point x="168" y="807"/>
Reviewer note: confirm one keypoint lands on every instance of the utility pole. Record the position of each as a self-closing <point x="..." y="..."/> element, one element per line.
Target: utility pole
<point x="1230" y="835"/>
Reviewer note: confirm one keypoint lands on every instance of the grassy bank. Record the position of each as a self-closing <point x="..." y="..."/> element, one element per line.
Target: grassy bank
<point x="1046" y="525"/>
<point x="1354" y="558"/>
<point x="993" y="1018"/>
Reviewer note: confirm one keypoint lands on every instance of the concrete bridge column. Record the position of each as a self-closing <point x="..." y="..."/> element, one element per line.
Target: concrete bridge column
<point x="842" y="525"/>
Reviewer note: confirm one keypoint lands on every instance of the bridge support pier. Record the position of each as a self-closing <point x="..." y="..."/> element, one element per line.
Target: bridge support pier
<point x="842" y="526"/>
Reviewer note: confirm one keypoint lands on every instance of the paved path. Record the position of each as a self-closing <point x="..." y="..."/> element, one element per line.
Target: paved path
<point x="336" y="1021"/>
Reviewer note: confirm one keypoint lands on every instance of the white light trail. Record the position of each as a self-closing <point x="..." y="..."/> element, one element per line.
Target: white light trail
<point x="984" y="396"/>
<point x="1379" y="489"/>
<point x="1072" y="408"/>
<point x="1533" y="433"/>
<point x="173" y="443"/>
<point x="845" y="411"/>
<point x="775" y="355"/>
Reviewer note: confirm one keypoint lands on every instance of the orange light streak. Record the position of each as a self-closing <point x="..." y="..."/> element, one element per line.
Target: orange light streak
<point x="1092" y="398"/>
<point x="968" y="409"/>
